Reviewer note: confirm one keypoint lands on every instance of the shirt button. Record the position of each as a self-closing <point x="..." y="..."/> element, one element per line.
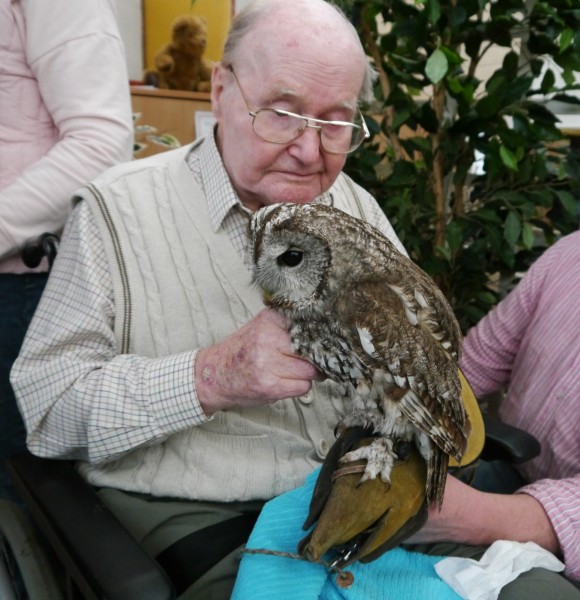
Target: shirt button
<point x="323" y="447"/>
<point x="307" y="399"/>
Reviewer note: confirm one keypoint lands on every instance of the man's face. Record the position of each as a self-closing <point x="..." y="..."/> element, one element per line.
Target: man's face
<point x="264" y="173"/>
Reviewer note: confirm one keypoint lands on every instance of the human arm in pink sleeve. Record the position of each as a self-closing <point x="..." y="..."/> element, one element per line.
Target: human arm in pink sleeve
<point x="490" y="348"/>
<point x="75" y="55"/>
<point x="561" y="502"/>
<point x="544" y="397"/>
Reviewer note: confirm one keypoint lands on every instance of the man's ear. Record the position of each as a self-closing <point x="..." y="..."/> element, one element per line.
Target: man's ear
<point x="219" y="76"/>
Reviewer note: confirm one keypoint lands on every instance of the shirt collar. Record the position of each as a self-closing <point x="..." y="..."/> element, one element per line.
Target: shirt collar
<point x="221" y="196"/>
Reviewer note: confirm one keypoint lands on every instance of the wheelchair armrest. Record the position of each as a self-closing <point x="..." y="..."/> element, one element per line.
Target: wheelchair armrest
<point x="506" y="442"/>
<point x="100" y="555"/>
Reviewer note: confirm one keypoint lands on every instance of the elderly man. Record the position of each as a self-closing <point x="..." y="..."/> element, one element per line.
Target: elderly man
<point x="151" y="359"/>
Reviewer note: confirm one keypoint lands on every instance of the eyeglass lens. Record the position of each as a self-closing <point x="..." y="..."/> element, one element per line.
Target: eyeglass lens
<point x="280" y="128"/>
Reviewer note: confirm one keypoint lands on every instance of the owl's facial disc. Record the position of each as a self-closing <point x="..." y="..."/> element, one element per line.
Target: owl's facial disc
<point x="290" y="267"/>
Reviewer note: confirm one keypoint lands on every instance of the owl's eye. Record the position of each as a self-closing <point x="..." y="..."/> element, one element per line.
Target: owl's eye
<point x="291" y="258"/>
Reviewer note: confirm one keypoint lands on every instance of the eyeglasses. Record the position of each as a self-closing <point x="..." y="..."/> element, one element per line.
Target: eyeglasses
<point x="282" y="127"/>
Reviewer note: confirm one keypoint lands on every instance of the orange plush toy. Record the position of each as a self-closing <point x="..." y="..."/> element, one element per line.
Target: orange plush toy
<point x="180" y="65"/>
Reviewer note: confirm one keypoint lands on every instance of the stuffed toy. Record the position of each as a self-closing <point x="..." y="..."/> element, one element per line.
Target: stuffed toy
<point x="180" y="65"/>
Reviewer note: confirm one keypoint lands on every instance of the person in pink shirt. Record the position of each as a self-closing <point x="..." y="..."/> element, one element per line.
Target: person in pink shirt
<point x="65" y="116"/>
<point x="528" y="345"/>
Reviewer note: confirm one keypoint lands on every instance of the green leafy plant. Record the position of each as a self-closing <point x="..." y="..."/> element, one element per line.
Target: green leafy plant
<point x="472" y="171"/>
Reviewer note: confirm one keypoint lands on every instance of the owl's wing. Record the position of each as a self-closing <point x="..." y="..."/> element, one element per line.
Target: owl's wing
<point x="404" y="332"/>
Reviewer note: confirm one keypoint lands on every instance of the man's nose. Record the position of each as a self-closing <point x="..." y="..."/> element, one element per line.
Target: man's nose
<point x="308" y="144"/>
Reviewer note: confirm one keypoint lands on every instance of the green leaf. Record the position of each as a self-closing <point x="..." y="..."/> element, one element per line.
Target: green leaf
<point x="453" y="58"/>
<point x="473" y="43"/>
<point x="508" y="158"/>
<point x="512" y="228"/>
<point x="528" y="236"/>
<point x="496" y="84"/>
<point x="486" y="297"/>
<point x="499" y="33"/>
<point x="566" y="39"/>
<point x="454" y="236"/>
<point x="444" y="252"/>
<point x="434" y="9"/>
<point x="542" y="197"/>
<point x="457" y="16"/>
<point x="400" y="117"/>
<point x="507" y="256"/>
<point x="437" y="66"/>
<point x="568" y="201"/>
<point x="510" y="198"/>
<point x="489" y="106"/>
<point x="548" y="81"/>
<point x="487" y="215"/>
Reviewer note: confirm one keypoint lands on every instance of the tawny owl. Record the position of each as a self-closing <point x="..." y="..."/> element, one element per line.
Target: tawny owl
<point x="369" y="319"/>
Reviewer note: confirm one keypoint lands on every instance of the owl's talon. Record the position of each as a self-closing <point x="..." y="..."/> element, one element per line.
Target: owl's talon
<point x="380" y="457"/>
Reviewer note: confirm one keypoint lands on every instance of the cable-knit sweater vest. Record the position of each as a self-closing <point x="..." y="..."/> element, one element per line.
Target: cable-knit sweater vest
<point x="178" y="286"/>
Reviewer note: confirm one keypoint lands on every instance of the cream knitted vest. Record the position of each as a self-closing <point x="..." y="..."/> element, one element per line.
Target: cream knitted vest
<point x="178" y="286"/>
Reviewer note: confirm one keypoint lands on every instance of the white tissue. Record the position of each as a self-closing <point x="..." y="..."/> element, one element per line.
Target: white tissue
<point x="501" y="563"/>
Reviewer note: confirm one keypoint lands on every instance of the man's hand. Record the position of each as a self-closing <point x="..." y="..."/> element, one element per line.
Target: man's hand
<point x="253" y="366"/>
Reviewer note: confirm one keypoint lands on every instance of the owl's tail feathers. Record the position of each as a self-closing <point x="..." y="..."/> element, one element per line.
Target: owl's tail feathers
<point x="437" y="466"/>
<point x="465" y="450"/>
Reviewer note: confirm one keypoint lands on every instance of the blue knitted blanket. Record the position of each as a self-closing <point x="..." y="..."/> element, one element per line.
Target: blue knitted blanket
<point x="397" y="574"/>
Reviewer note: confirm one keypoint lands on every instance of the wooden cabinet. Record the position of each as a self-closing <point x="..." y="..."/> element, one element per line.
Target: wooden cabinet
<point x="170" y="112"/>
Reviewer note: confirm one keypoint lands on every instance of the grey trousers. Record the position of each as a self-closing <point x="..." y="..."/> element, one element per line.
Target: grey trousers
<point x="157" y="523"/>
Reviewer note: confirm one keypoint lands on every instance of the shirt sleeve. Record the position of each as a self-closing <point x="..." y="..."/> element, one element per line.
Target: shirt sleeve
<point x="561" y="501"/>
<point x="74" y="51"/>
<point x="490" y="348"/>
<point x="79" y="397"/>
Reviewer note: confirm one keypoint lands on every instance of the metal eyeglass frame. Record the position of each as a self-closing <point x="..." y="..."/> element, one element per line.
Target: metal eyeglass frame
<point x="311" y="122"/>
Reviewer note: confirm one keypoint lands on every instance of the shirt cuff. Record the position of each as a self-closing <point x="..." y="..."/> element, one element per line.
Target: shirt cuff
<point x="172" y="393"/>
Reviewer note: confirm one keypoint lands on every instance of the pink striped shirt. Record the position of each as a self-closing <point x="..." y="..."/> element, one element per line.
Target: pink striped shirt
<point x="530" y="343"/>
